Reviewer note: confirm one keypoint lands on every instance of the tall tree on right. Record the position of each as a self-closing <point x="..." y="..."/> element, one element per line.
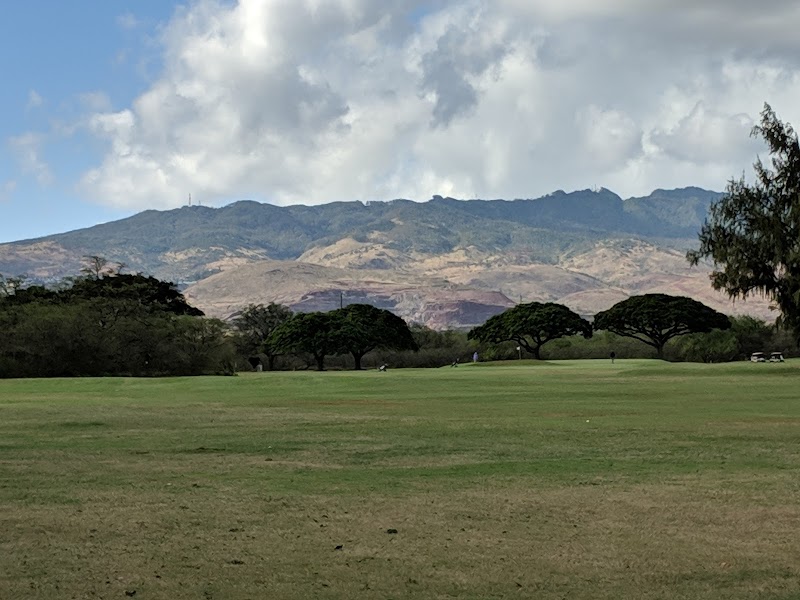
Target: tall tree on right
<point x="657" y="318"/>
<point x="752" y="234"/>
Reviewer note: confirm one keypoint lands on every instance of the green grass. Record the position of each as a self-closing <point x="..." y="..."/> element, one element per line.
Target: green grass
<point x="577" y="479"/>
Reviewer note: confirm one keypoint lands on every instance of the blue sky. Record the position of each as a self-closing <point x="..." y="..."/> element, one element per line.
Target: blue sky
<point x="57" y="58"/>
<point x="116" y="106"/>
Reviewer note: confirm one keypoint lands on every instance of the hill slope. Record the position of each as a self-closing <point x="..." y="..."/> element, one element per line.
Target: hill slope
<point x="445" y="262"/>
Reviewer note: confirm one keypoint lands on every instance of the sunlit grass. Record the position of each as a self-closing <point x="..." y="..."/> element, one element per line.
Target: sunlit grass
<point x="583" y="479"/>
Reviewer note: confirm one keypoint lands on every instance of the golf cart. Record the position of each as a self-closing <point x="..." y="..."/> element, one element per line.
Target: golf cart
<point x="776" y="357"/>
<point x="757" y="357"/>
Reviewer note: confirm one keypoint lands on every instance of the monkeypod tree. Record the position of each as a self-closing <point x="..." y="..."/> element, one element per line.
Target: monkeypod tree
<point x="316" y="333"/>
<point x="657" y="318"/>
<point x="753" y="232"/>
<point x="531" y="326"/>
<point x="255" y="324"/>
<point x="363" y="328"/>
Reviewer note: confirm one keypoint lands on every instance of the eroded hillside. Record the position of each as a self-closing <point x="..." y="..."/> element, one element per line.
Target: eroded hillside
<point x="445" y="263"/>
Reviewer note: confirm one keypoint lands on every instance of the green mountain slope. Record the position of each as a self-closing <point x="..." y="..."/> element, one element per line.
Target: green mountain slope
<point x="182" y="243"/>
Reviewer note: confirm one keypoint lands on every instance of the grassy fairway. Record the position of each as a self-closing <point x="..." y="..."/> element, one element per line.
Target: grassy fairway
<point x="561" y="480"/>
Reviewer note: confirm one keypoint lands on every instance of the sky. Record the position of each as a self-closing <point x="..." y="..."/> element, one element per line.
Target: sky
<point x="110" y="108"/>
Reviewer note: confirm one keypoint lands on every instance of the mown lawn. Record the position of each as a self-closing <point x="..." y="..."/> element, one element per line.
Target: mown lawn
<point x="575" y="479"/>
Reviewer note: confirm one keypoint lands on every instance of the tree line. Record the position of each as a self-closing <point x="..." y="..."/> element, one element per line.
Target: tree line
<point x="119" y="324"/>
<point x="107" y="324"/>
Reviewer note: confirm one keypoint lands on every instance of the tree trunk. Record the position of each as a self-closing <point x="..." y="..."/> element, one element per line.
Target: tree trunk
<point x="320" y="358"/>
<point x="271" y="362"/>
<point x="357" y="360"/>
<point x="536" y="354"/>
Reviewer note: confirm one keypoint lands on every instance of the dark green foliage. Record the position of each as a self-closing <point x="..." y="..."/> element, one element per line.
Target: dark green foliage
<point x="356" y="329"/>
<point x="255" y="325"/>
<point x="113" y="325"/>
<point x="314" y="333"/>
<point x="531" y="326"/>
<point x="753" y="231"/>
<point x="146" y="291"/>
<point x="714" y="346"/>
<point x="657" y="318"/>
<point x="363" y="328"/>
<point x="754" y="335"/>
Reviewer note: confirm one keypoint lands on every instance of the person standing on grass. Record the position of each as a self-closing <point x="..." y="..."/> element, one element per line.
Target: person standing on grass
<point x="475" y="356"/>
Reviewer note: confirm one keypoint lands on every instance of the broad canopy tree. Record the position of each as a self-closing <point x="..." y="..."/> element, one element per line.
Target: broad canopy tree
<point x="363" y="328"/>
<point x="313" y="333"/>
<point x="752" y="234"/>
<point x="355" y="329"/>
<point x="255" y="325"/>
<point x="531" y="326"/>
<point x="657" y="318"/>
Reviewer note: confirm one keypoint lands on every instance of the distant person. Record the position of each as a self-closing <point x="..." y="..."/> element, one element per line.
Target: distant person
<point x="455" y="363"/>
<point x="475" y="357"/>
<point x="613" y="356"/>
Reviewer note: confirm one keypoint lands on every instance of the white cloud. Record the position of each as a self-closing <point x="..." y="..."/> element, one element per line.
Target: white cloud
<point x="309" y="101"/>
<point x="34" y="100"/>
<point x="96" y="102"/>
<point x="7" y="190"/>
<point x="26" y="148"/>
<point x="127" y="21"/>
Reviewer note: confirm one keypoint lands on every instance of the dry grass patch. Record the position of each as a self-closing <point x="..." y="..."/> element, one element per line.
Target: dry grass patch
<point x="680" y="539"/>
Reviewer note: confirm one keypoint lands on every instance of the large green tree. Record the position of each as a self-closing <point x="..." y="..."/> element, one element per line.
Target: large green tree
<point x="752" y="234"/>
<point x="108" y="325"/>
<point x="363" y="328"/>
<point x="657" y="318"/>
<point x="531" y="326"/>
<point x="155" y="294"/>
<point x="315" y="333"/>
<point x="255" y="324"/>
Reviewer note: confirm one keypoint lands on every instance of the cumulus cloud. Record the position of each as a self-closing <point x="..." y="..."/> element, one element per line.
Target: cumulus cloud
<point x="307" y="101"/>
<point x="26" y="148"/>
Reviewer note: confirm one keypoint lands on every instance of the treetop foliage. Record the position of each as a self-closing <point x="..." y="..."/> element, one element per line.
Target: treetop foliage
<point x="532" y="325"/>
<point x="145" y="291"/>
<point x="107" y="324"/>
<point x="355" y="329"/>
<point x="256" y="324"/>
<point x="752" y="234"/>
<point x="656" y="318"/>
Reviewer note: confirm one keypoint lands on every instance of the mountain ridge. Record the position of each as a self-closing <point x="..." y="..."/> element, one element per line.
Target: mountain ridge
<point x="444" y="262"/>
